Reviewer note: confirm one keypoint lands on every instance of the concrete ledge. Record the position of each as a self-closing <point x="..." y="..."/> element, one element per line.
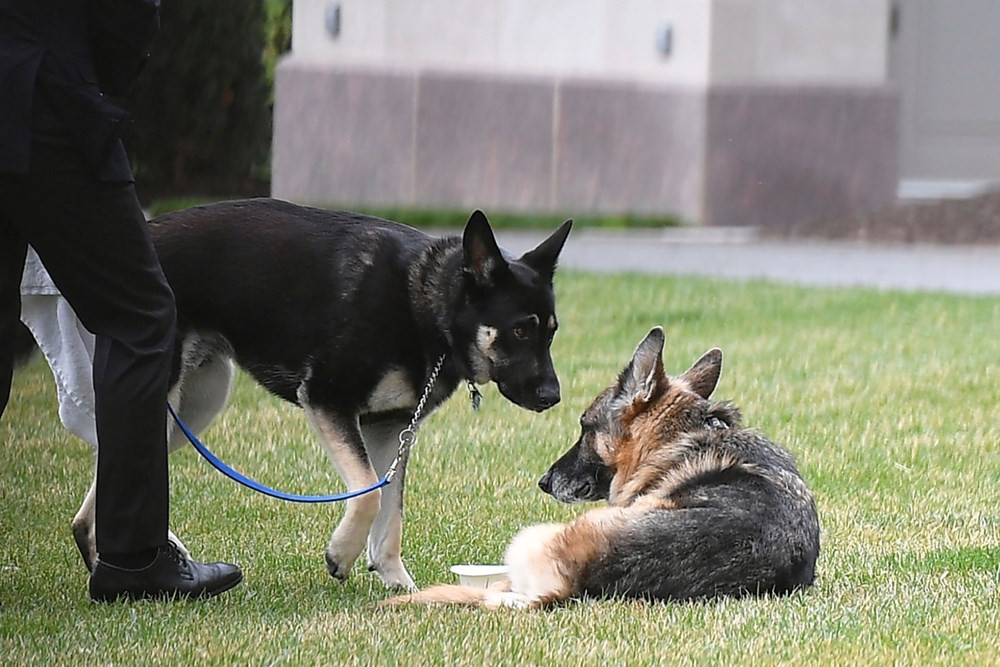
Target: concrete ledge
<point x="629" y="148"/>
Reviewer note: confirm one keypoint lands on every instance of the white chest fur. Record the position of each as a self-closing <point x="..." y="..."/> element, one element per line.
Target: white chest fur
<point x="393" y="392"/>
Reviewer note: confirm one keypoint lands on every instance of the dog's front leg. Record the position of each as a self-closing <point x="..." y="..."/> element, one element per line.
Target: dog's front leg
<point x="341" y="438"/>
<point x="386" y="537"/>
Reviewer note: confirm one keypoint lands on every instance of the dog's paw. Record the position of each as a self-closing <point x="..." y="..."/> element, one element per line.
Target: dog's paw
<point x="343" y="550"/>
<point x="394" y="576"/>
<point x="337" y="568"/>
<point x="83" y="535"/>
<point x="507" y="600"/>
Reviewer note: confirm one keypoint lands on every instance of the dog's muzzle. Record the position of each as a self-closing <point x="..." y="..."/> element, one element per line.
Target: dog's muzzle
<point x="539" y="398"/>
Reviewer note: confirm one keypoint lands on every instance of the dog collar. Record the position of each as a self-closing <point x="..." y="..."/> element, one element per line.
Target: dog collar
<point x="715" y="422"/>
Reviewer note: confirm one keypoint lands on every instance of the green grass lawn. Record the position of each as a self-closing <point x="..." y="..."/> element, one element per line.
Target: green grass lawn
<point x="889" y="401"/>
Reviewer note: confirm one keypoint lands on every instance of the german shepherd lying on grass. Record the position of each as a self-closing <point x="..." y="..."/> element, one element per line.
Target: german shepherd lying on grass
<point x="698" y="507"/>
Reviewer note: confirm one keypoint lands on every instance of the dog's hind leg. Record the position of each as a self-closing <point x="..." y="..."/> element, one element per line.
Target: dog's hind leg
<point x="341" y="438"/>
<point x="200" y="394"/>
<point x="386" y="536"/>
<point x="83" y="527"/>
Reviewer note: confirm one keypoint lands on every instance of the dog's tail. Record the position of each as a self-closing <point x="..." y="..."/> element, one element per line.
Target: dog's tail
<point x="445" y="594"/>
<point x="442" y="594"/>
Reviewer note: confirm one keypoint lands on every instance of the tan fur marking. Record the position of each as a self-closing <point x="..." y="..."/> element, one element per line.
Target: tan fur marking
<point x="393" y="392"/>
<point x="485" y="338"/>
<point x="604" y="447"/>
<point x="482" y="354"/>
<point x="645" y="450"/>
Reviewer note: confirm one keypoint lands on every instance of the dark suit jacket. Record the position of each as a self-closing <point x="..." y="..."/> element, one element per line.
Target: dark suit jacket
<point x="69" y="55"/>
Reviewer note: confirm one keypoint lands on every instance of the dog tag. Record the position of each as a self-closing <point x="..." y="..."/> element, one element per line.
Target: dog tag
<point x="475" y="396"/>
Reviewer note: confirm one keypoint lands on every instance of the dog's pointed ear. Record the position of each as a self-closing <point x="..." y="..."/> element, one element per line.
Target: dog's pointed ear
<point x="482" y="259"/>
<point x="545" y="257"/>
<point x="703" y="376"/>
<point x="644" y="374"/>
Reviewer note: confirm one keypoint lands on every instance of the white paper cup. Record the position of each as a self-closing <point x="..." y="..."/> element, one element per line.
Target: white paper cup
<point x="480" y="576"/>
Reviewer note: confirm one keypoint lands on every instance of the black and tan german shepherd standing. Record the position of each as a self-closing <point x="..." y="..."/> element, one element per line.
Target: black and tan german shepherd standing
<point x="698" y="507"/>
<point x="346" y="315"/>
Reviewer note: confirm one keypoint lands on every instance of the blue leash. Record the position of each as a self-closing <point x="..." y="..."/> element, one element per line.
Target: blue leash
<point x="240" y="478"/>
<point x="407" y="438"/>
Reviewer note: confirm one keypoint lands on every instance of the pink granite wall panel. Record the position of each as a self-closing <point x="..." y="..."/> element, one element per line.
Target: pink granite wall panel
<point x="483" y="142"/>
<point x="627" y="148"/>
<point x="731" y="155"/>
<point x="343" y="137"/>
<point x="782" y="154"/>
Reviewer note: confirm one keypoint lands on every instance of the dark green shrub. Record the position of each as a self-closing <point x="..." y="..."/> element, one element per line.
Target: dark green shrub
<point x="202" y="106"/>
<point x="279" y="33"/>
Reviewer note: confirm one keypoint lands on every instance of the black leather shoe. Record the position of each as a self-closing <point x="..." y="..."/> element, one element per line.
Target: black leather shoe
<point x="170" y="575"/>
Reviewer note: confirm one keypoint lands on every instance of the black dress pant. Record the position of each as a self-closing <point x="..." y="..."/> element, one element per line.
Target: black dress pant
<point x="93" y="240"/>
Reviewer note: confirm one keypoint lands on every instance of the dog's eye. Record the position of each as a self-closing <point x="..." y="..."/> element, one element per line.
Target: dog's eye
<point x="520" y="333"/>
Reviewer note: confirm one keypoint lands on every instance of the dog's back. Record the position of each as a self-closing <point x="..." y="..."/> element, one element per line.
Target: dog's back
<point x="270" y="281"/>
<point x="223" y="260"/>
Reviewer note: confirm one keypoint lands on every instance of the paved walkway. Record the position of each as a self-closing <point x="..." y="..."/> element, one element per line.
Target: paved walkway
<point x="733" y="253"/>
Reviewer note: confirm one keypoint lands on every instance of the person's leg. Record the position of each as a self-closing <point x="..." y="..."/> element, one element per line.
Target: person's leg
<point x="92" y="239"/>
<point x="13" y="249"/>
